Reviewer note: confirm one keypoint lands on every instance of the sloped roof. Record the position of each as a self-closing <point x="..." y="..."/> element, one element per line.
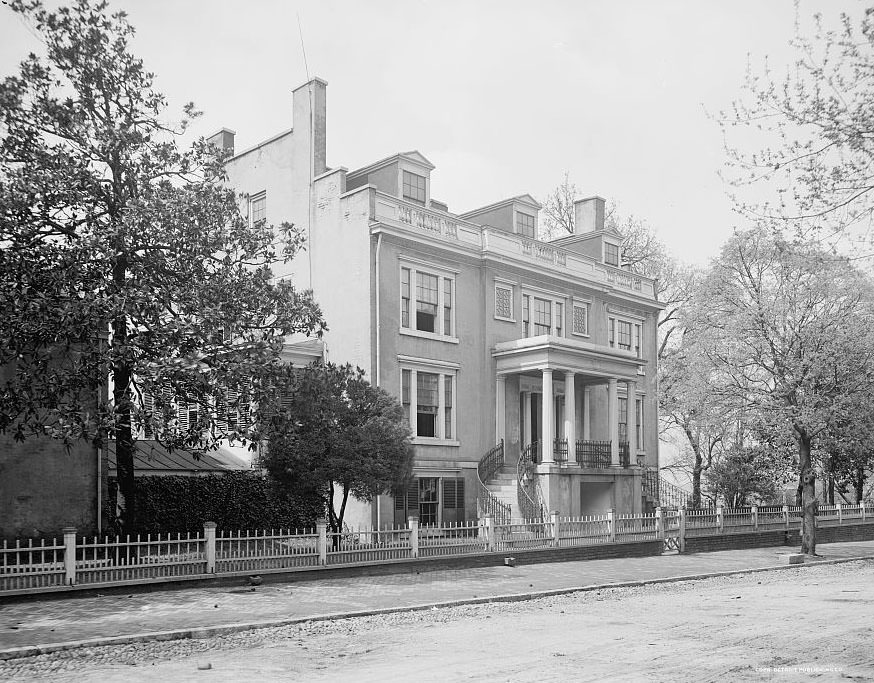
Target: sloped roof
<point x="151" y="457"/>
<point x="413" y="155"/>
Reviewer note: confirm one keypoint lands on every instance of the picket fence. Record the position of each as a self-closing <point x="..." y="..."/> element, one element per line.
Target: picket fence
<point x="91" y="561"/>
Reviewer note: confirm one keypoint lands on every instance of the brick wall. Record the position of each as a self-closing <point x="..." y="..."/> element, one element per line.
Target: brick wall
<point x="44" y="488"/>
<point x="765" y="539"/>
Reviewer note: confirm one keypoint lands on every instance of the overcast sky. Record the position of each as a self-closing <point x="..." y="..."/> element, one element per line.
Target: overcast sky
<point x="502" y="97"/>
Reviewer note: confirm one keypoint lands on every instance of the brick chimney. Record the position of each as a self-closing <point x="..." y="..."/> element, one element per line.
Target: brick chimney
<point x="588" y="215"/>
<point x="309" y="120"/>
<point x="223" y="140"/>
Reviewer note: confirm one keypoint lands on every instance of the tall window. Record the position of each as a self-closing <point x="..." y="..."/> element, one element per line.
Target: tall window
<point x="258" y="209"/>
<point x="525" y="225"/>
<point x="431" y="499"/>
<point x="611" y="254"/>
<point x="542" y="316"/>
<point x="427" y="403"/>
<point x="429" y="400"/>
<point x="639" y="425"/>
<point x="414" y="187"/>
<point x="427" y="301"/>
<point x="623" y="419"/>
<point x="559" y="318"/>
<point x="526" y="314"/>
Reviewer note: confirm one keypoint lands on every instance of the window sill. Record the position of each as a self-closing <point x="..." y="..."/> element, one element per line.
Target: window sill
<point x="429" y="335"/>
<point x="429" y="441"/>
<point x="505" y="320"/>
<point x="580" y="334"/>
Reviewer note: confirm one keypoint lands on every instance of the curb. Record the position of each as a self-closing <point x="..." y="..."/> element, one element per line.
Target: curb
<point x="211" y="631"/>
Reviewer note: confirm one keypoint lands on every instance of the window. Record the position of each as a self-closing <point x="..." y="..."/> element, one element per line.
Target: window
<point x="623" y="419"/>
<point x="427" y="404"/>
<point x="581" y="319"/>
<point x="258" y="209"/>
<point x="504" y="302"/>
<point x="429" y="399"/>
<point x="525" y="225"/>
<point x="447" y="407"/>
<point x="414" y="187"/>
<point x="432" y="308"/>
<point x="426" y="302"/>
<point x="639" y="422"/>
<point x="405" y="297"/>
<point x="432" y="499"/>
<point x="542" y="316"/>
<point x="526" y="315"/>
<point x="624" y="334"/>
<point x="611" y="254"/>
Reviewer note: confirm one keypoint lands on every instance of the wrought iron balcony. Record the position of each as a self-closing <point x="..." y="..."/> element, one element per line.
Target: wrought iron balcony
<point x="593" y="453"/>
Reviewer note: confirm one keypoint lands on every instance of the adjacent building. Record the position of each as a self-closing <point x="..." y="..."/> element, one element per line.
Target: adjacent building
<point x="487" y="335"/>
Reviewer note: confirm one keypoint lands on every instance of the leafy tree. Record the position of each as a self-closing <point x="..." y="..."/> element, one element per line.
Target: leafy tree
<point x="744" y="476"/>
<point x="811" y="129"/>
<point x="786" y="328"/>
<point x="124" y="258"/>
<point x="336" y="435"/>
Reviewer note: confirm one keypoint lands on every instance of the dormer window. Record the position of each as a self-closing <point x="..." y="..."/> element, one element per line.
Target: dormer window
<point x="414" y="187"/>
<point x="611" y="254"/>
<point x="525" y="225"/>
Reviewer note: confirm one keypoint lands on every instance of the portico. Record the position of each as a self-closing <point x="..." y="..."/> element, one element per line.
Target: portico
<point x="578" y="412"/>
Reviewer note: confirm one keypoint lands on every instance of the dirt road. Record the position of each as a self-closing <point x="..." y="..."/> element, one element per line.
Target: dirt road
<point x="816" y="623"/>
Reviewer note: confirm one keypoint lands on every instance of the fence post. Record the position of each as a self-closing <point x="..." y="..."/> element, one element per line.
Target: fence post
<point x="553" y="519"/>
<point x="490" y="533"/>
<point x="322" y="541"/>
<point x="414" y="537"/>
<point x="70" y="554"/>
<point x="755" y="513"/>
<point x="720" y="520"/>
<point x="840" y="513"/>
<point x="209" y="535"/>
<point x="681" y="533"/>
<point x="786" y="516"/>
<point x="660" y="524"/>
<point x="611" y="526"/>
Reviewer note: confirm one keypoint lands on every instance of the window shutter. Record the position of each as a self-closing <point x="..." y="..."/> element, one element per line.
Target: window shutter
<point x="182" y="415"/>
<point x="148" y="412"/>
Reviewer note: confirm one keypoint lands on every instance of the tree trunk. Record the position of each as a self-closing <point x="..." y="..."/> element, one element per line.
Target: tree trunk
<point x="831" y="489"/>
<point x="859" y="484"/>
<point x="807" y="488"/>
<point x="697" y="468"/>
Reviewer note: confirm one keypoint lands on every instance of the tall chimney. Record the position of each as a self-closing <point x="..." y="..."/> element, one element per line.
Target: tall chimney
<point x="223" y="140"/>
<point x="588" y="215"/>
<point x="309" y="120"/>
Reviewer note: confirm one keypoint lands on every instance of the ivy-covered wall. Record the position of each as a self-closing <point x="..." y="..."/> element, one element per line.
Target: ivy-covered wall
<point x="234" y="501"/>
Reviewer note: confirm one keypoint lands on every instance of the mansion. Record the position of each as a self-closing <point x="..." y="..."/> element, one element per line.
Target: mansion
<point x="494" y="342"/>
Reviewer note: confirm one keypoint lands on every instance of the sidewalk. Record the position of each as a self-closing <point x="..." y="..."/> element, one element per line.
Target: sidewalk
<point x="56" y="621"/>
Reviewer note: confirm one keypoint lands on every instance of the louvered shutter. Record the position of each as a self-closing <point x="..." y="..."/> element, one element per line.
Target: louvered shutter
<point x="148" y="412"/>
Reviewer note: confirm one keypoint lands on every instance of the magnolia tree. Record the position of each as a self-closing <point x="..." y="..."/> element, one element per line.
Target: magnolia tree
<point x="336" y="436"/>
<point x="787" y="333"/>
<point x="126" y="270"/>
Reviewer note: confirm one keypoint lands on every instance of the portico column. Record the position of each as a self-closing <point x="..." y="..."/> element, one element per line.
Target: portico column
<point x="547" y="419"/>
<point x="529" y="437"/>
<point x="570" y="409"/>
<point x="631" y="395"/>
<point x="613" y="420"/>
<point x="587" y="421"/>
<point x="500" y="411"/>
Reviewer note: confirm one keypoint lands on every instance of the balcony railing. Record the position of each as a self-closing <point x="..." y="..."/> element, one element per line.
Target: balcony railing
<point x="624" y="458"/>
<point x="445" y="226"/>
<point x="560" y="450"/>
<point x="594" y="454"/>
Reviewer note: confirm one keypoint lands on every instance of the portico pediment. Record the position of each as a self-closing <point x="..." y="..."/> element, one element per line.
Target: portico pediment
<point x="558" y="353"/>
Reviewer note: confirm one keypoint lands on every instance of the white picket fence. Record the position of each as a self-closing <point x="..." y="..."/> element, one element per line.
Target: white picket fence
<point x="78" y="560"/>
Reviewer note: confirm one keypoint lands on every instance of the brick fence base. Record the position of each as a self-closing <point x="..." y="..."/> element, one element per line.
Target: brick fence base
<point x="792" y="537"/>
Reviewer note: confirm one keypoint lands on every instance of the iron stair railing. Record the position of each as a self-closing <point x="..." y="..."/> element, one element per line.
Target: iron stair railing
<point x="486" y="501"/>
<point x="530" y="506"/>
<point x="663" y="492"/>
